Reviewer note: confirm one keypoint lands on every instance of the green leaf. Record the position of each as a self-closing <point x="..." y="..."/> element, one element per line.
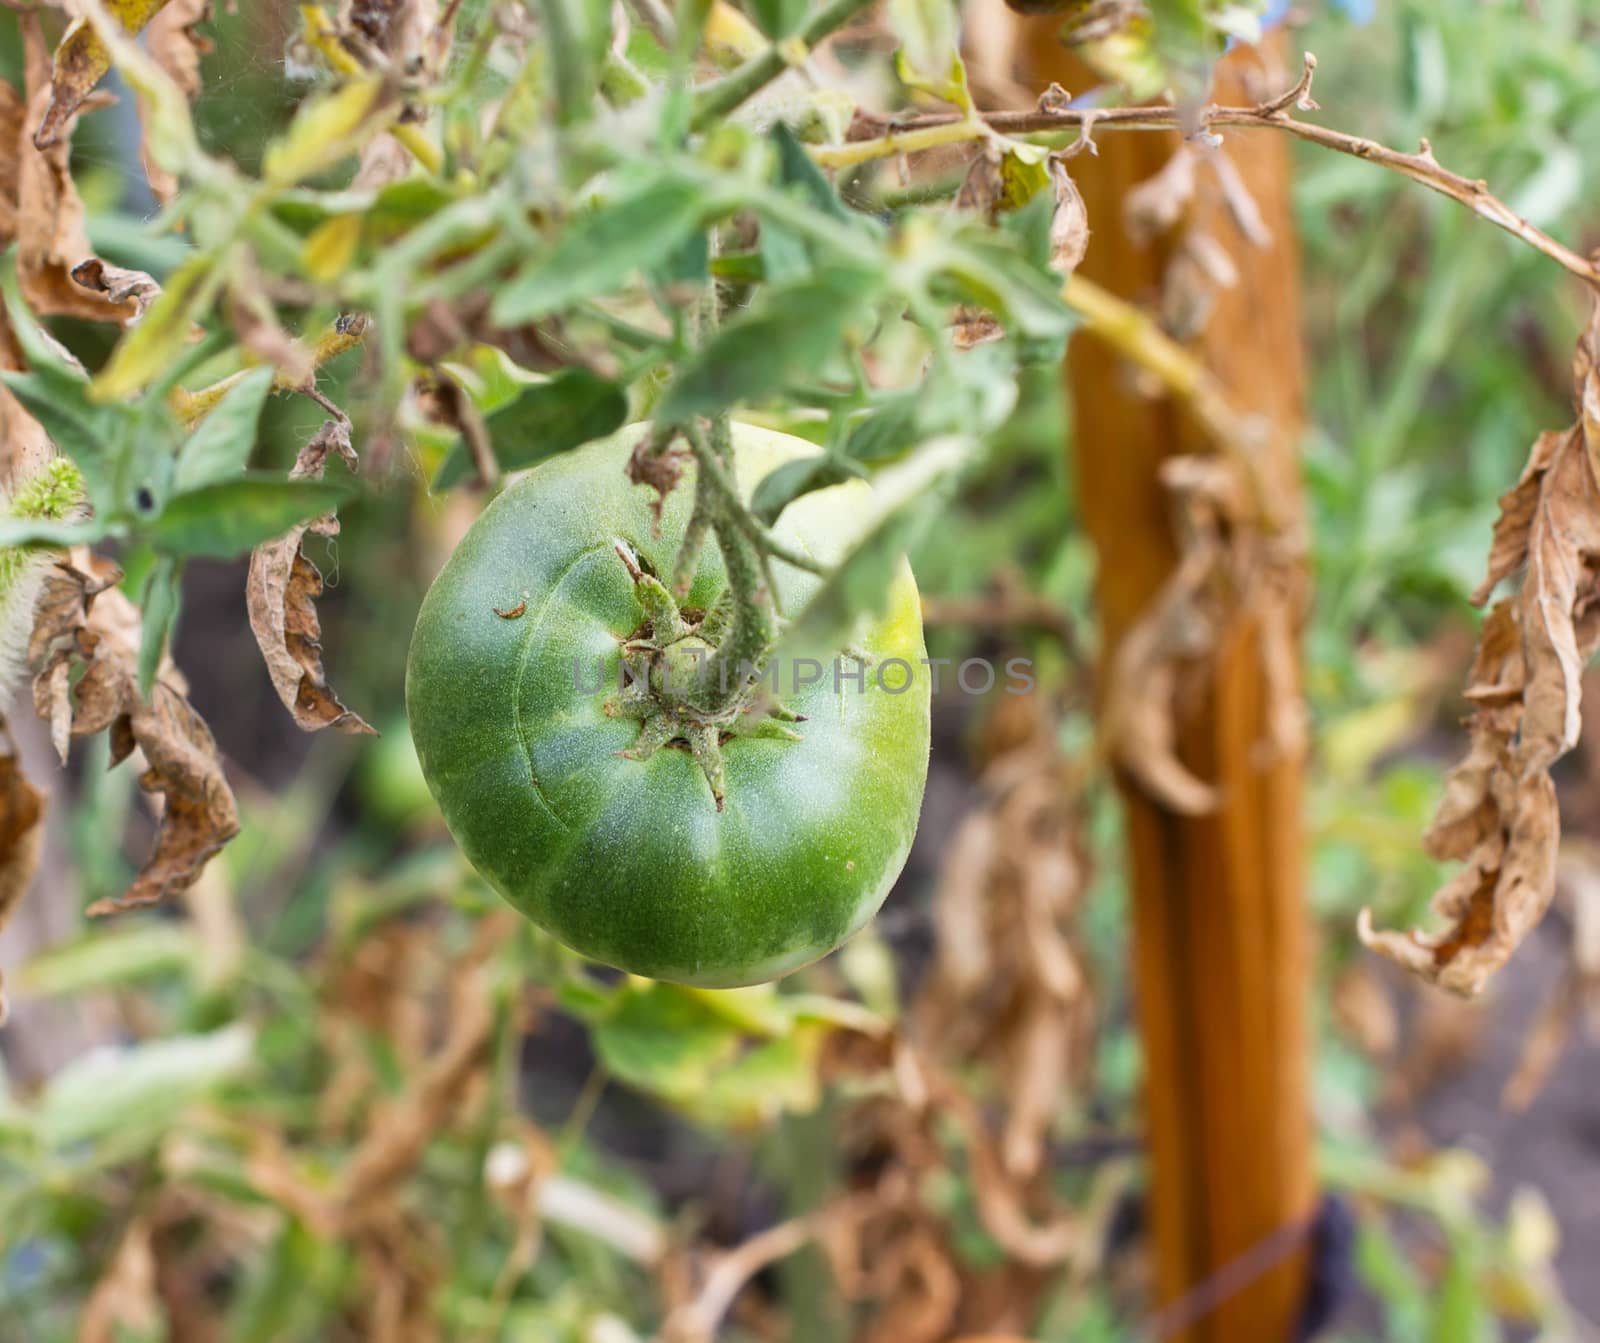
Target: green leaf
<point x="1024" y="174"/>
<point x="230" y="517"/>
<point x="138" y="1090"/>
<point x="782" y="486"/>
<point x="572" y="408"/>
<point x="785" y="254"/>
<point x="1461" y="1312"/>
<point x="887" y="431"/>
<point x="662" y="1039"/>
<point x="797" y="170"/>
<point x="81" y="431"/>
<point x="110" y="957"/>
<point x="778" y="18"/>
<point x="796" y="328"/>
<point x="689" y="262"/>
<point x="597" y="251"/>
<point x="46" y="359"/>
<point x="159" y="610"/>
<point x="220" y="445"/>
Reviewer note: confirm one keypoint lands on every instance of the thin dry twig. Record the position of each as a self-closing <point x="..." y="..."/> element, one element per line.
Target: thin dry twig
<point x="875" y="136"/>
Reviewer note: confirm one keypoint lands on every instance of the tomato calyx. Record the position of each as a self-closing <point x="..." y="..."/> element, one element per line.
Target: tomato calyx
<point x="677" y="687"/>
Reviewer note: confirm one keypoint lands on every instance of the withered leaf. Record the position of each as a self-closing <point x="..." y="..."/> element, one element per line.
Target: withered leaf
<point x="21" y="835"/>
<point x="281" y="594"/>
<point x="119" y="285"/>
<point x="46" y="215"/>
<point x="1069" y="225"/>
<point x="81" y="62"/>
<point x="1138" y="715"/>
<point x="83" y="618"/>
<point x="1499" y="812"/>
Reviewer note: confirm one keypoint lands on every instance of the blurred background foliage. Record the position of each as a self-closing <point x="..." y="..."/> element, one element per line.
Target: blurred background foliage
<point x="245" y="1099"/>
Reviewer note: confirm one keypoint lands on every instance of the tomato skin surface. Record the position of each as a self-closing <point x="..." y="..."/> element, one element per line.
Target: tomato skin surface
<point x="629" y="861"/>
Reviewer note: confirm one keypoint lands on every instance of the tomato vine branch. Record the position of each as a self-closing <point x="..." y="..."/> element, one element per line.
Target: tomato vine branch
<point x="881" y="137"/>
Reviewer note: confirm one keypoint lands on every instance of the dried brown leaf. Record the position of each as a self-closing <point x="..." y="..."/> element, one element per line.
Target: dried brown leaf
<point x="118" y="285"/>
<point x="83" y="619"/>
<point x="281" y="593"/>
<point x="971" y="326"/>
<point x="176" y="48"/>
<point x="21" y="835"/>
<point x="46" y="216"/>
<point x="960" y="906"/>
<point x="1069" y="225"/>
<point x="400" y="1130"/>
<point x="1138" y="715"/>
<point x="1499" y="811"/>
<point x="1508" y="550"/>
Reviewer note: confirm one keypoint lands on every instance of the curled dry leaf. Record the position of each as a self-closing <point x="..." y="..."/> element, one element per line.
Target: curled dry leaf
<point x="82" y="618"/>
<point x="81" y="62"/>
<point x="281" y="594"/>
<point x="1069" y="225"/>
<point x="1498" y="815"/>
<point x="119" y="285"/>
<point x="1138" y="719"/>
<point x="40" y="208"/>
<point x="1228" y="568"/>
<point x="21" y="834"/>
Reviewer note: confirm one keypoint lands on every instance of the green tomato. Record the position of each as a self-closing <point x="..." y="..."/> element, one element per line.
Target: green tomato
<point x="513" y="668"/>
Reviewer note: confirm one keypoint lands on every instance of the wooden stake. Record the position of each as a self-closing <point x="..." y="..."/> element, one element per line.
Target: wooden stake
<point x="1219" y="920"/>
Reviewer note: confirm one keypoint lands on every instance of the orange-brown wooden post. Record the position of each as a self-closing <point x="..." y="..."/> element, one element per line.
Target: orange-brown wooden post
<point x="1219" y="921"/>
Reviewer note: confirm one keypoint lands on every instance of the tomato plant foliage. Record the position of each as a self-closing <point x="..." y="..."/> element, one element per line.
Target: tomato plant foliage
<point x="533" y="226"/>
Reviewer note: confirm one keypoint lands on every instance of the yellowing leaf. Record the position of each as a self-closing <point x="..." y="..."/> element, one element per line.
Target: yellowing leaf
<point x="324" y="130"/>
<point x="82" y="60"/>
<point x="327" y="253"/>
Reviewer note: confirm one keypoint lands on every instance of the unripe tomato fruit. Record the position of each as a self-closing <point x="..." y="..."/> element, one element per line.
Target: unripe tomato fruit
<point x="629" y="861"/>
